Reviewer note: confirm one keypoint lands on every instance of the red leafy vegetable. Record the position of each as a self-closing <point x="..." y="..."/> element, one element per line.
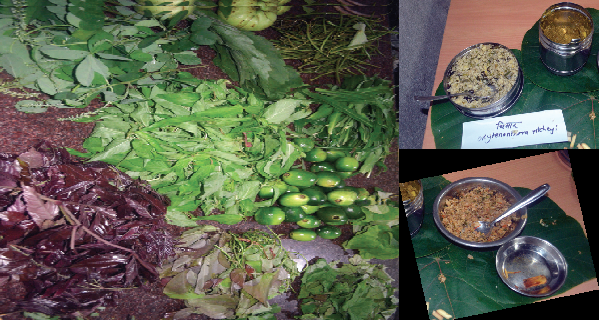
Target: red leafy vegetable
<point x="72" y="231"/>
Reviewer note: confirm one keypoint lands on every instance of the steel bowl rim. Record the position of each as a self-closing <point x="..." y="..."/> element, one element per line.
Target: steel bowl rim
<point x="555" y="252"/>
<point x="471" y="244"/>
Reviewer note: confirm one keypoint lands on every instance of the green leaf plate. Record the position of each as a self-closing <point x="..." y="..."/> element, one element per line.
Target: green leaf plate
<point x="578" y="109"/>
<point x="586" y="80"/>
<point x="464" y="282"/>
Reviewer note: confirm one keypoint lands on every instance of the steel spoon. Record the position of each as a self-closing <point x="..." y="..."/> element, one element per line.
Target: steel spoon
<point x="447" y="96"/>
<point x="486" y="226"/>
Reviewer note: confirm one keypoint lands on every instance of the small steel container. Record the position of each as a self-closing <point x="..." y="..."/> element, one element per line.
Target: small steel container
<point x="415" y="211"/>
<point x="466" y="184"/>
<point x="496" y="108"/>
<point x="521" y="260"/>
<point x="565" y="59"/>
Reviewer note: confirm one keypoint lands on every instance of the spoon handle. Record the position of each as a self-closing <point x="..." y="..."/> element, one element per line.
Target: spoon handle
<point x="529" y="198"/>
<point x="433" y="98"/>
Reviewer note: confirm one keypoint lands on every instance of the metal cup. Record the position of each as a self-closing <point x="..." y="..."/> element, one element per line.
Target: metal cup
<point x="565" y="59"/>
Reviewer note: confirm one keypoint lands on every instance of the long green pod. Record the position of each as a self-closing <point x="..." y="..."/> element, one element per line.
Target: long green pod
<point x="334" y="118"/>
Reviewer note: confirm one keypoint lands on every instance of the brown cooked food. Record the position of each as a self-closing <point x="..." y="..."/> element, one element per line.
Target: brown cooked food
<point x="461" y="214"/>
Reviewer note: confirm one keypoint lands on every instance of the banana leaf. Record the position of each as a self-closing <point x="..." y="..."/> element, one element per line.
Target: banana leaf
<point x="464" y="285"/>
<point x="578" y="109"/>
<point x="586" y="80"/>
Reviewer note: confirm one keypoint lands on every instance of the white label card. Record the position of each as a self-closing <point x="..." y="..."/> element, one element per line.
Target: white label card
<point x="514" y="131"/>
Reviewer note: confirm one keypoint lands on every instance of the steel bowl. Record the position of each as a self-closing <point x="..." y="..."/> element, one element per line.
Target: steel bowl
<point x="494" y="109"/>
<point x="528" y="258"/>
<point x="465" y="184"/>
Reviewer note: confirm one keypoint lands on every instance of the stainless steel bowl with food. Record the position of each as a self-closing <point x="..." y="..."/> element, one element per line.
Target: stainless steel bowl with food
<point x="491" y="72"/>
<point x="459" y="206"/>
<point x="531" y="266"/>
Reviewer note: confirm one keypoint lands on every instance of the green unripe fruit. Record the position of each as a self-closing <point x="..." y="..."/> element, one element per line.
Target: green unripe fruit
<point x="333" y="155"/>
<point x="316" y="155"/>
<point x="309" y="222"/>
<point x="347" y="164"/>
<point x="322" y="166"/>
<point x="293" y="199"/>
<point x="304" y="143"/>
<point x="299" y="178"/>
<point x="293" y="214"/>
<point x="328" y="179"/>
<point x="270" y="216"/>
<point x="328" y="232"/>
<point x="342" y="197"/>
<point x="303" y="234"/>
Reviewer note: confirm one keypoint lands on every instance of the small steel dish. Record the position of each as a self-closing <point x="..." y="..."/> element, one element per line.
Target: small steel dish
<point x="465" y="184"/>
<point x="496" y="108"/>
<point x="528" y="257"/>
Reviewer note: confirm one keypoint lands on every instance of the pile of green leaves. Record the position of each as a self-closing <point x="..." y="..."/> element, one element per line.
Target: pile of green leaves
<point x="356" y="291"/>
<point x="72" y="51"/>
<point x="200" y="144"/>
<point x="358" y="117"/>
<point x="376" y="236"/>
<point x="227" y="275"/>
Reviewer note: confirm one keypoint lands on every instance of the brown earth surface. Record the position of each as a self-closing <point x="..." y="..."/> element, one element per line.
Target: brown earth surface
<point x="19" y="131"/>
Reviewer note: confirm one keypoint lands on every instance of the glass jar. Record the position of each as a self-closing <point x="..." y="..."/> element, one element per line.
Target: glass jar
<point x="561" y="23"/>
<point x="414" y="210"/>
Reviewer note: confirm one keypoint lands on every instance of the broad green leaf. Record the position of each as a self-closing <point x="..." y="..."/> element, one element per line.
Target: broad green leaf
<point x="85" y="71"/>
<point x="186" y="99"/>
<point x="63" y="53"/>
<point x="141" y="56"/>
<point x="31" y="106"/>
<point x="179" y="218"/>
<point x="578" y="110"/>
<point x="115" y="152"/>
<point x="93" y="145"/>
<point x="230" y="219"/>
<point x="466" y="285"/>
<point x="89" y="12"/>
<point x="46" y="85"/>
<point x="281" y="110"/>
<point x="188" y="58"/>
<point x="100" y="41"/>
<point x="112" y="56"/>
<point x="429" y="239"/>
<point x="587" y="79"/>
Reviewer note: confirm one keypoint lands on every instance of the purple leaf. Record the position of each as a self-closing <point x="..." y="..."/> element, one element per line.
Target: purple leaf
<point x="38" y="209"/>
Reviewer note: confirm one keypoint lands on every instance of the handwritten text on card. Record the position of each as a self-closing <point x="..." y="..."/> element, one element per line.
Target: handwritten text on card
<point x="513" y="131"/>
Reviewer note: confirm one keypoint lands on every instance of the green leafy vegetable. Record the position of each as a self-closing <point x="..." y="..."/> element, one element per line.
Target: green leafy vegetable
<point x="253" y="61"/>
<point x="359" y="117"/>
<point x="73" y="52"/>
<point x="373" y="234"/>
<point x="202" y="145"/>
<point x="226" y="275"/>
<point x="356" y="291"/>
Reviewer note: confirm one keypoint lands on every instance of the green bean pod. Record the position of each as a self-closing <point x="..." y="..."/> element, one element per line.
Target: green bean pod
<point x="334" y="118"/>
